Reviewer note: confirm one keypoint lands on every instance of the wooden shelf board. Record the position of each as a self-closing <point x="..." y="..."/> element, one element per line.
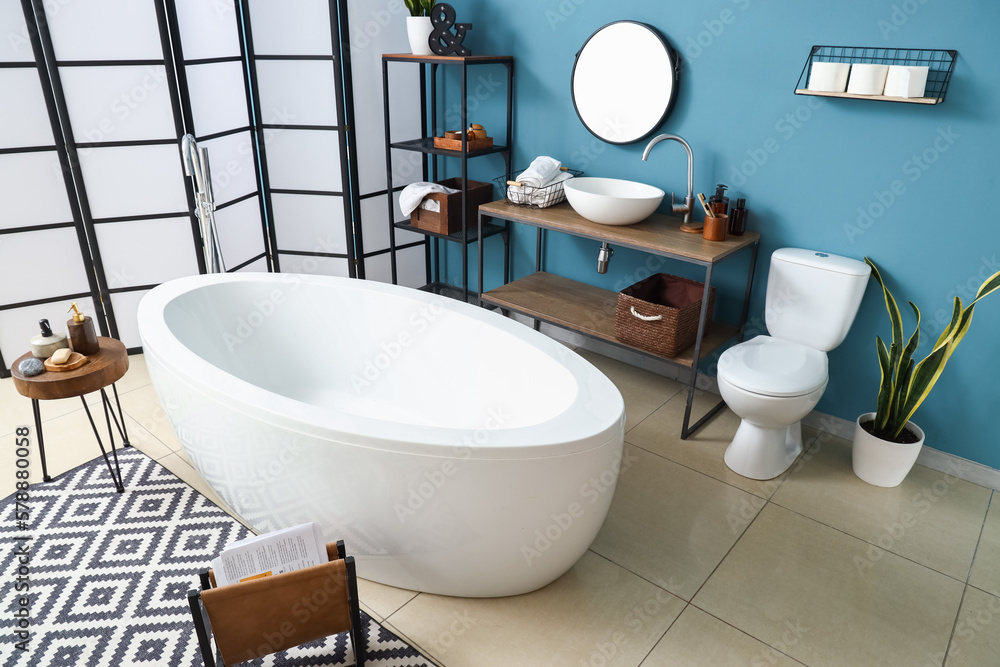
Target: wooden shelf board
<point x="585" y="308"/>
<point x="878" y="98"/>
<point x="658" y="234"/>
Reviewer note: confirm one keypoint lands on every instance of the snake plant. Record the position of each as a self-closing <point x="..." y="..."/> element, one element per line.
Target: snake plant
<point x="906" y="384"/>
<point x="419" y="7"/>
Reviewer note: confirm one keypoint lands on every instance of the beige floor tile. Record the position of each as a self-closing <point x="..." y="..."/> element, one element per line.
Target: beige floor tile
<point x="986" y="569"/>
<point x="409" y="640"/>
<point x="697" y="638"/>
<point x="976" y="641"/>
<point x="145" y="441"/>
<point x="671" y="525"/>
<point x="15" y="409"/>
<point x="932" y="518"/>
<point x="660" y="433"/>
<point x="790" y="571"/>
<point x="382" y="600"/>
<point x="643" y="391"/>
<point x="597" y="613"/>
<point x="144" y="406"/>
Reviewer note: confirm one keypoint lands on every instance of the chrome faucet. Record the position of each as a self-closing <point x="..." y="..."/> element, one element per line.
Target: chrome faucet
<point x="196" y="165"/>
<point x="688" y="206"/>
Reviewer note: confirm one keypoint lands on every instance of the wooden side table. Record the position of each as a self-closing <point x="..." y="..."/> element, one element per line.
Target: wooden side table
<point x="102" y="369"/>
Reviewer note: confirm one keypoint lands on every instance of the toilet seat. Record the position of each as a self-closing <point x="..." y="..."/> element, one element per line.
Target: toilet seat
<point x="774" y="367"/>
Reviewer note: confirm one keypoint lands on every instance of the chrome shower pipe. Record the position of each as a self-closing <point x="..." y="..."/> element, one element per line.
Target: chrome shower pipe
<point x="688" y="206"/>
<point x="198" y="168"/>
<point x="603" y="256"/>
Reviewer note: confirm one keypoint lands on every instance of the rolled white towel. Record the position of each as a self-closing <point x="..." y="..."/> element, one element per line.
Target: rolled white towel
<point x="541" y="170"/>
<point x="414" y="193"/>
<point x="541" y="197"/>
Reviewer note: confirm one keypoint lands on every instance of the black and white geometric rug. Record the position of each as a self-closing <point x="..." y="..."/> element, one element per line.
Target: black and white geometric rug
<point x="108" y="574"/>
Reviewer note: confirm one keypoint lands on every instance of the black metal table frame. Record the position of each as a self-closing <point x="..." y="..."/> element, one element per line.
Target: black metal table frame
<point x="687" y="429"/>
<point x="109" y="416"/>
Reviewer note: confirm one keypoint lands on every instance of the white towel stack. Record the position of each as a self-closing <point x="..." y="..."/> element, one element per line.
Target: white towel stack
<point x="412" y="196"/>
<point x="535" y="182"/>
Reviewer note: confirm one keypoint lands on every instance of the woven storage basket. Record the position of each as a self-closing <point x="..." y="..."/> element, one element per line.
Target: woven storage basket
<point x="674" y="302"/>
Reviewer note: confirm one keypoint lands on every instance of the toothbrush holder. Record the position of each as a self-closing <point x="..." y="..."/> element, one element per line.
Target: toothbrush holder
<point x="715" y="228"/>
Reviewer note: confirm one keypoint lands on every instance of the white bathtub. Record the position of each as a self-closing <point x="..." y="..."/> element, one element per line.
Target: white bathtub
<point x="454" y="450"/>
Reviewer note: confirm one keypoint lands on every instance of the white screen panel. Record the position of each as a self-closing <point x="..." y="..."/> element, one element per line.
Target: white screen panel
<point x="126" y="305"/>
<point x="146" y="252"/>
<point x="315" y="266"/>
<point x="25" y="118"/>
<point x="118" y="103"/>
<point x="303" y="91"/>
<point x="32" y="190"/>
<point x="104" y="30"/>
<point x="304" y="160"/>
<point x="404" y="89"/>
<point x="55" y="266"/>
<point x="209" y="29"/>
<point x="133" y="180"/>
<point x="309" y="223"/>
<point x="20" y="325"/>
<point x="241" y="233"/>
<point x="410" y="270"/>
<point x="231" y="162"/>
<point x="376" y="228"/>
<point x="218" y="97"/>
<point x="292" y="27"/>
<point x="15" y="46"/>
<point x="259" y="266"/>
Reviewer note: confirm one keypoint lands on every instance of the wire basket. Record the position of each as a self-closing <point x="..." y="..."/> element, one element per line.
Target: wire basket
<point x="531" y="197"/>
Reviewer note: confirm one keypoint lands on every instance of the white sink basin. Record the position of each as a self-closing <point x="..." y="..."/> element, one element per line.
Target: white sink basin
<point x="612" y="201"/>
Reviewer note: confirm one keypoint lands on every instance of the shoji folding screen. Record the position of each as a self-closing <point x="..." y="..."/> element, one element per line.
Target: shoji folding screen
<point x="286" y="96"/>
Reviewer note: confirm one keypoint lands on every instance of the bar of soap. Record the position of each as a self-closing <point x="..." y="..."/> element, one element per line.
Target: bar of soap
<point x="61" y="356"/>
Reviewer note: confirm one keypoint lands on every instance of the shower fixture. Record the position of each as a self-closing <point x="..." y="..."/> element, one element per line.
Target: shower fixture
<point x="196" y="165"/>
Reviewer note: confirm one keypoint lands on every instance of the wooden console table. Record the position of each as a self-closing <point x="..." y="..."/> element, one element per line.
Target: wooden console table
<point x="591" y="310"/>
<point x="104" y="368"/>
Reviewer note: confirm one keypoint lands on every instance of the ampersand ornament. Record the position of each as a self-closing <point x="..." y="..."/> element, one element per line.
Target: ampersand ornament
<point x="442" y="41"/>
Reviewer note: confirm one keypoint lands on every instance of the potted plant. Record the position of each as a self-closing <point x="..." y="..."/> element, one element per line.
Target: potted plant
<point x="418" y="26"/>
<point x="886" y="442"/>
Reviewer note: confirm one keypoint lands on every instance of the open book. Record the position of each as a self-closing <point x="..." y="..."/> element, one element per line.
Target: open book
<point x="259" y="556"/>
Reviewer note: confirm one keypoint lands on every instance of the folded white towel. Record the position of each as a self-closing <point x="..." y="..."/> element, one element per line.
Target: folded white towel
<point x="543" y="197"/>
<point x="541" y="170"/>
<point x="414" y="193"/>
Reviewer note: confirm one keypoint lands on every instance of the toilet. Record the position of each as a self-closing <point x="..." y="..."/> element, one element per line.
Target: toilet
<point x="771" y="382"/>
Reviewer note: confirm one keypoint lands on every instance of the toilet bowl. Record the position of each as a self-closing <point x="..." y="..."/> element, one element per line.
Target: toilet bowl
<point x="772" y="381"/>
<point x="771" y="385"/>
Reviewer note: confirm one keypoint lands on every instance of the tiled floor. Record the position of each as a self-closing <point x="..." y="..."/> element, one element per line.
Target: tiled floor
<point x="695" y="565"/>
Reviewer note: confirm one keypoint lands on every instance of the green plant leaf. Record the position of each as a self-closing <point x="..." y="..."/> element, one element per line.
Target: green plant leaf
<point x="895" y="319"/>
<point x="885" y="389"/>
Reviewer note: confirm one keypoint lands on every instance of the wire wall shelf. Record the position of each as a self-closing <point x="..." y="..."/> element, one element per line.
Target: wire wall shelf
<point x="940" y="64"/>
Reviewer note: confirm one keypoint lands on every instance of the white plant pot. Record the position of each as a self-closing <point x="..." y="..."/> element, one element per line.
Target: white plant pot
<point x="419" y="29"/>
<point x="880" y="462"/>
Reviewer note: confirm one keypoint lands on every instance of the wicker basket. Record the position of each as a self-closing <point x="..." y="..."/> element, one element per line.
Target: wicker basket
<point x="660" y="314"/>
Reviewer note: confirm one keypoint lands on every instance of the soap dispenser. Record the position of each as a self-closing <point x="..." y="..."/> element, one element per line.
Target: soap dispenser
<point x="719" y="202"/>
<point x="82" y="335"/>
<point x="44" y="344"/>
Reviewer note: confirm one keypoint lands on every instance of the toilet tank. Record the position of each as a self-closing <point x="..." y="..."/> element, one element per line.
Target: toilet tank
<point x="812" y="297"/>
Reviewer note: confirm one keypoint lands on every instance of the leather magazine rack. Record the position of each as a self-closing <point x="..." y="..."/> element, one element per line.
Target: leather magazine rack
<point x="255" y="618"/>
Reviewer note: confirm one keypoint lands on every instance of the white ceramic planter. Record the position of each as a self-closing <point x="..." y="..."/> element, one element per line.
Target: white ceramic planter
<point x="418" y="30"/>
<point x="880" y="462"/>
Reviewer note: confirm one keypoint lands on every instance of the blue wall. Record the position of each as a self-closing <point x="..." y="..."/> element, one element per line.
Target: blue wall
<point x="826" y="181"/>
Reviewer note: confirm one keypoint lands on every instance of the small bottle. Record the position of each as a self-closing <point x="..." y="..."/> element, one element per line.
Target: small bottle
<point x="44" y="344"/>
<point x="719" y="202"/>
<point x="738" y="219"/>
<point x="82" y="335"/>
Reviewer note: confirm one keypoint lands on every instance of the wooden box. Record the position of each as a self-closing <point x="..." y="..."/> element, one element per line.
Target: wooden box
<point x="449" y="219"/>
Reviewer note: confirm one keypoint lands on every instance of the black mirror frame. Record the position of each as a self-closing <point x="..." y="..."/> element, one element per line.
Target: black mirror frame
<point x="675" y="61"/>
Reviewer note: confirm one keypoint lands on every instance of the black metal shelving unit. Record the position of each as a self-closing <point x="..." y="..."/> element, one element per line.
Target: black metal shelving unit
<point x="470" y="233"/>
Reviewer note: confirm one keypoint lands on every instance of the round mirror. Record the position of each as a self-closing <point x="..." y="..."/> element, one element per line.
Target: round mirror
<point x="625" y="81"/>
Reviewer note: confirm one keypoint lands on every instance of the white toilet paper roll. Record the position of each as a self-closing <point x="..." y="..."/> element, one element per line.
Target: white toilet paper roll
<point x="906" y="81"/>
<point x="828" y="77"/>
<point x="867" y="79"/>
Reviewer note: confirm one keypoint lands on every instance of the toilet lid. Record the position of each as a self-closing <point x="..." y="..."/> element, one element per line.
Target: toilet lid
<point x="774" y="367"/>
